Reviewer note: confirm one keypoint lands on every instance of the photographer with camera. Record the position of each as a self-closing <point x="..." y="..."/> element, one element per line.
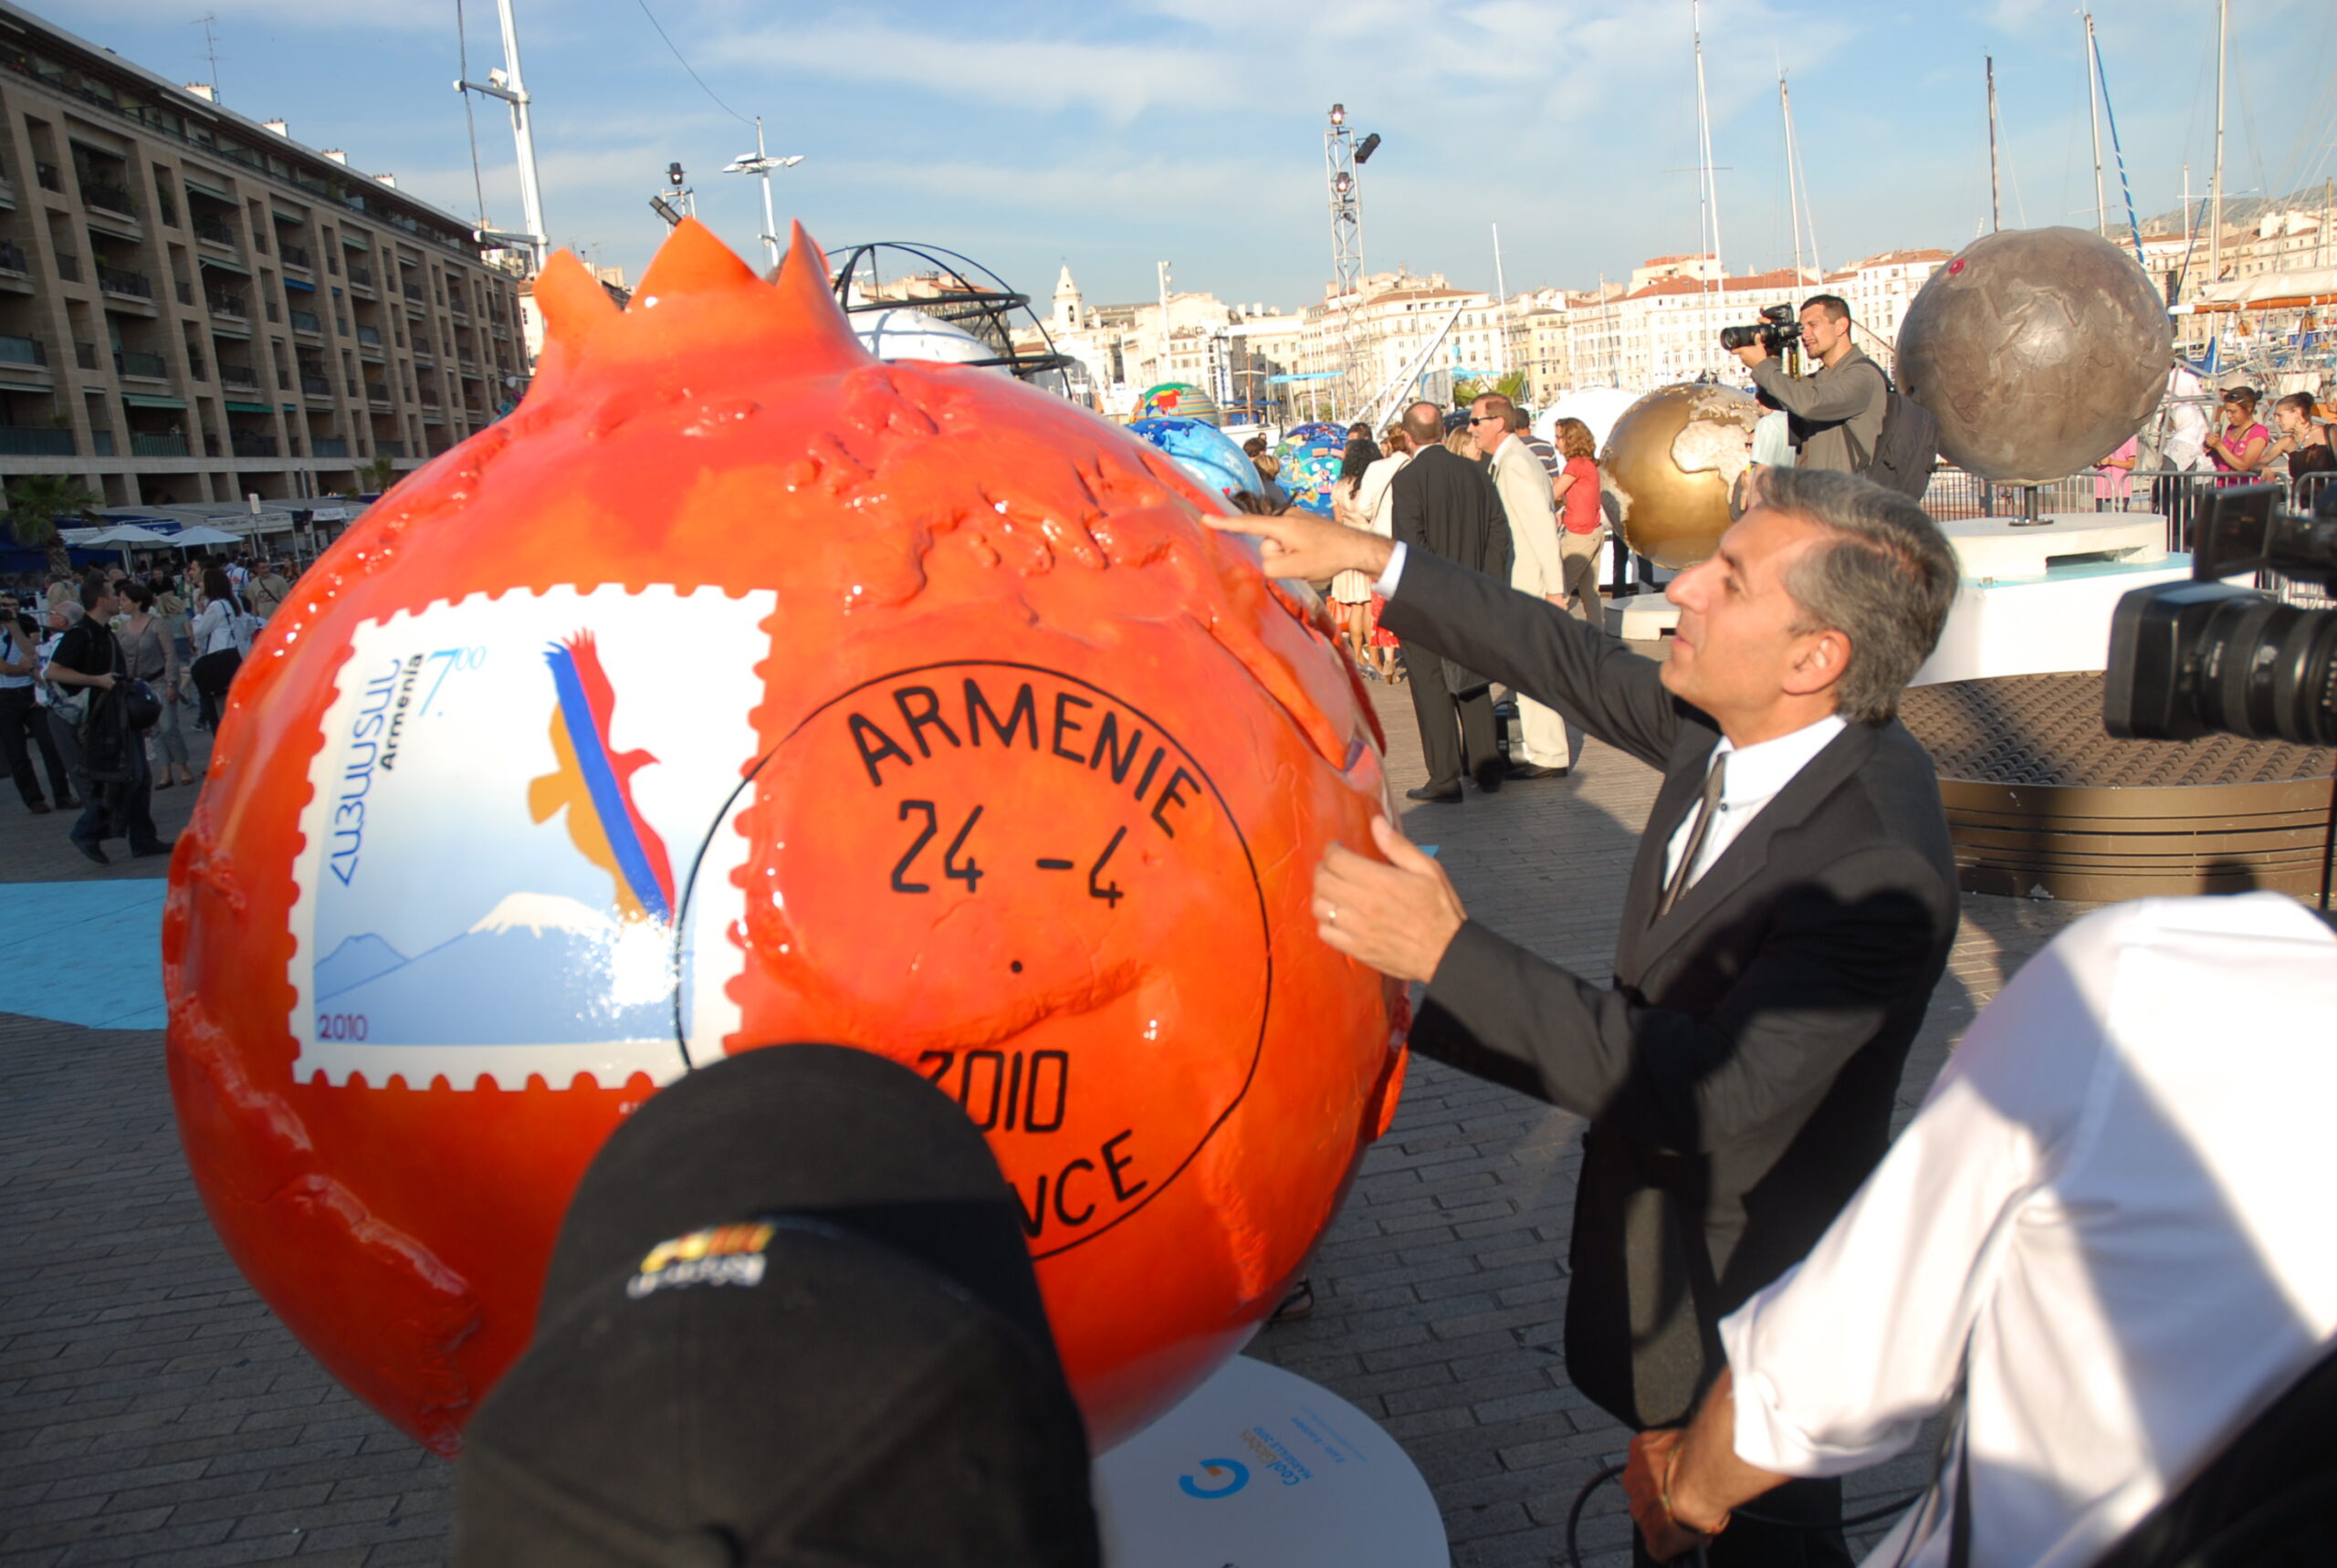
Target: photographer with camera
<point x="1837" y="410"/>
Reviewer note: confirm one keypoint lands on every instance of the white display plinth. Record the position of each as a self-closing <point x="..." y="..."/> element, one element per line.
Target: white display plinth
<point x="1259" y="1465"/>
<point x="1641" y="617"/>
<point x="2057" y="625"/>
<point x="2002" y="549"/>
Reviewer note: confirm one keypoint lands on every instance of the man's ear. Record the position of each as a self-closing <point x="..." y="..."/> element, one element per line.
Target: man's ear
<point x="1821" y="660"/>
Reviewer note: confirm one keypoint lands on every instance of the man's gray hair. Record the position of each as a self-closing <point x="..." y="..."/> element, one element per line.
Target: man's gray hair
<point x="1884" y="578"/>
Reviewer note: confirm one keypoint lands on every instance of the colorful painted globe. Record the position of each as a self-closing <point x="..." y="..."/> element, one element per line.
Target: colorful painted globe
<point x="1318" y="431"/>
<point x="1177" y="400"/>
<point x="742" y="689"/>
<point x="1311" y="458"/>
<point x="1205" y="451"/>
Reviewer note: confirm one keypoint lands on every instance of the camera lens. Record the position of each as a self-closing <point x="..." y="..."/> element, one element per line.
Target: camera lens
<point x="2266" y="670"/>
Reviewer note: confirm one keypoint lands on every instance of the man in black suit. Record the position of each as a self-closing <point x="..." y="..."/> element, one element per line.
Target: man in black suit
<point x="1446" y="506"/>
<point x="1790" y="909"/>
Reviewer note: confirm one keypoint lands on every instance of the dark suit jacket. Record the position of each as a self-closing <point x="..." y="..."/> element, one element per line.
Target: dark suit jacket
<point x="1740" y="1071"/>
<point x="1447" y="506"/>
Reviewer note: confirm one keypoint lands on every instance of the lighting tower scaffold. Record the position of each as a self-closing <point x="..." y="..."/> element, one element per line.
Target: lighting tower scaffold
<point x="505" y="84"/>
<point x="1347" y="242"/>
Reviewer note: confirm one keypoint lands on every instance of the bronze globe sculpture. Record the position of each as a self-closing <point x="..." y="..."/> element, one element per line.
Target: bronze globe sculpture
<point x="1666" y="470"/>
<point x="2039" y="350"/>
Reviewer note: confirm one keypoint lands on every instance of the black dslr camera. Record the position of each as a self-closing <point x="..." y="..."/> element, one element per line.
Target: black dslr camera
<point x="2188" y="659"/>
<point x="1773" y="331"/>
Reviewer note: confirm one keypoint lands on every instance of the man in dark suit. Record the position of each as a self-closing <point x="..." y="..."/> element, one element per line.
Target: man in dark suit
<point x="1790" y="909"/>
<point x="1446" y="506"/>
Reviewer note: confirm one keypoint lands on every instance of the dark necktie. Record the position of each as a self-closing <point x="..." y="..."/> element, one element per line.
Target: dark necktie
<point x="1706" y="810"/>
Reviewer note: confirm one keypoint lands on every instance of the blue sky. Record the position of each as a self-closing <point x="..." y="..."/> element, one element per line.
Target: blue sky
<point x="1028" y="132"/>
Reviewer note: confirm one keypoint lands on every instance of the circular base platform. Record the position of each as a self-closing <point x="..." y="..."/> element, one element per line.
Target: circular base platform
<point x="2042" y="803"/>
<point x="1260" y="1466"/>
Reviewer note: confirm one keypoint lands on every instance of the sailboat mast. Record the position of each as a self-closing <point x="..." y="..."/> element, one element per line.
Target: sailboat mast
<point x="1501" y="297"/>
<point x="1708" y="188"/>
<point x="1996" y="199"/>
<point x="2216" y="220"/>
<point x="2094" y="93"/>
<point x="1793" y="184"/>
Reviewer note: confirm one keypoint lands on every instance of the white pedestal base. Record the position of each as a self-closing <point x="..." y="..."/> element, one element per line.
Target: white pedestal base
<point x="1641" y="617"/>
<point x="2003" y="548"/>
<point x="1259" y="1465"/>
<point x="2058" y="624"/>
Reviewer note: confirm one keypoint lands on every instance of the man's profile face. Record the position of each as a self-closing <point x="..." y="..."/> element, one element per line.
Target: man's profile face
<point x="1820" y="331"/>
<point x="1736" y="643"/>
<point x="1490" y="426"/>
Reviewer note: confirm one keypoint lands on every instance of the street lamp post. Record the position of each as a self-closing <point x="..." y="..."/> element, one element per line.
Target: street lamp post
<point x="761" y="162"/>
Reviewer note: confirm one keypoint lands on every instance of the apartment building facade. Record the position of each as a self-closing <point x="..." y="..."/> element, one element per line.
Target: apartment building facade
<point x="196" y="307"/>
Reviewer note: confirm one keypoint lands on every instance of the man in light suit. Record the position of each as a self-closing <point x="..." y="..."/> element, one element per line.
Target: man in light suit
<point x="1791" y="908"/>
<point x="1524" y="485"/>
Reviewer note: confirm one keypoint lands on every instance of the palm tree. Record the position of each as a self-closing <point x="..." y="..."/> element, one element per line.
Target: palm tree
<point x="35" y="502"/>
<point x="380" y="473"/>
<point x="1511" y="385"/>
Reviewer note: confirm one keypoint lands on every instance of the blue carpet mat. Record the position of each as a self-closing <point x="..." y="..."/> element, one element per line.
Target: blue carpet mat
<point x="89" y="953"/>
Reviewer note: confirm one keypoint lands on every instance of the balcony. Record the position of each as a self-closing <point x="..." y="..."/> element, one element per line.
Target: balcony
<point x="85" y="355"/>
<point x="134" y="285"/>
<point x="35" y="440"/>
<point x="49" y="178"/>
<point x="211" y="231"/>
<point x="157" y="445"/>
<point x="195" y="367"/>
<point x="369" y="335"/>
<point x="306" y="321"/>
<point x="316" y="386"/>
<point x="68" y="266"/>
<point x="360" y="277"/>
<point x="295" y="255"/>
<point x="12" y="258"/>
<point x="329" y="446"/>
<point x="251" y="443"/>
<point x="23" y="352"/>
<point x="101" y="443"/>
<point x="458" y="307"/>
<point x="137" y="362"/>
<point x="377" y="394"/>
<point x="238" y="376"/>
<point x="107" y="198"/>
<point x="227" y="305"/>
<point x="186" y="295"/>
<point x="275" y="312"/>
<point x="413" y="291"/>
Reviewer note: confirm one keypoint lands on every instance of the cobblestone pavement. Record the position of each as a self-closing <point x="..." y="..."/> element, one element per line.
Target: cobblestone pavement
<point x="154" y="1411"/>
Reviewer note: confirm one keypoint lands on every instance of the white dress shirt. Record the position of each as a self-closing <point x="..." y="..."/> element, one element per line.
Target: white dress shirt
<point x="2117" y="1194"/>
<point x="1755" y="773"/>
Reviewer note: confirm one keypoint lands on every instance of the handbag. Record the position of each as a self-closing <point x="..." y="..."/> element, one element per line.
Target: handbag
<point x="70" y="704"/>
<point x="140" y="707"/>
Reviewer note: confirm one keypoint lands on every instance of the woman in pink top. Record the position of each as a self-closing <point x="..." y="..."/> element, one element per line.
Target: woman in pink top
<point x="2113" y="478"/>
<point x="2237" y="449"/>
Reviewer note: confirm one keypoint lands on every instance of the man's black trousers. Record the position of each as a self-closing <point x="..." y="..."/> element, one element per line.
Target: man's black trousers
<point x="25" y="723"/>
<point x="1432" y="706"/>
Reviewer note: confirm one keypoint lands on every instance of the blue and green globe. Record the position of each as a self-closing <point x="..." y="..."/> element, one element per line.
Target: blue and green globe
<point x="1202" y="450"/>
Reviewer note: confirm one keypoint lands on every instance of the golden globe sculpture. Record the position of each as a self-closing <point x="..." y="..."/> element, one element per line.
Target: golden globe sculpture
<point x="1668" y="466"/>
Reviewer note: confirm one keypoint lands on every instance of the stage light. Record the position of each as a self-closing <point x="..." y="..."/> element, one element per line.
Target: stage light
<point x="1338" y="114"/>
<point x="1366" y="147"/>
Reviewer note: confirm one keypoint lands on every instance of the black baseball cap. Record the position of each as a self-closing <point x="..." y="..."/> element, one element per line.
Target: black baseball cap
<point x="790" y="1318"/>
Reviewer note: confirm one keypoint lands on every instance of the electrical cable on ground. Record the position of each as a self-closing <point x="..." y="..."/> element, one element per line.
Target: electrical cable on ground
<point x="685" y="66"/>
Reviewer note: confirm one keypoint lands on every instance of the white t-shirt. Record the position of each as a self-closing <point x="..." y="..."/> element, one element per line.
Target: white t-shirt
<point x="1375" y="492"/>
<point x="2119" y="1191"/>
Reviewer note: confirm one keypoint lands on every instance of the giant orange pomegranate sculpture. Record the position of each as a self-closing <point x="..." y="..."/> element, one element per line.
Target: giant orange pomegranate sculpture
<point x="739" y="689"/>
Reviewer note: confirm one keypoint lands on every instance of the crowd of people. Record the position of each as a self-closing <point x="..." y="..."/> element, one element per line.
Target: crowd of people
<point x="103" y="674"/>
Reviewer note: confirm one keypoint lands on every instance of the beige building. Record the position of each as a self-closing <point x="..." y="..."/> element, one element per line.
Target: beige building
<point x="196" y="307"/>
